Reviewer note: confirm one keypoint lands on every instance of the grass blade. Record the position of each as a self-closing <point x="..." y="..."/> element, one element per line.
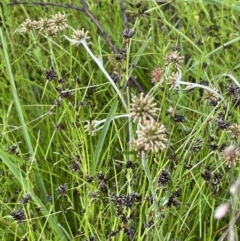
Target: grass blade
<point x="20" y="113"/>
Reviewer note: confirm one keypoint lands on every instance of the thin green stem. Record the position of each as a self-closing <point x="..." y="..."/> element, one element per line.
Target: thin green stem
<point x="153" y="192"/>
<point x="17" y="104"/>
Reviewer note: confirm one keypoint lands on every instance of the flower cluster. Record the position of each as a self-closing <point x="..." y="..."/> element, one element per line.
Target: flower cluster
<point x="151" y="135"/>
<point x="172" y="80"/>
<point x="174" y="58"/>
<point x="80" y="34"/>
<point x="18" y="215"/>
<point x="230" y="155"/>
<point x="127" y="33"/>
<point x="164" y="178"/>
<point x="156" y="75"/>
<point x="143" y="108"/>
<point x="27" y="26"/>
<point x="211" y="97"/>
<point x="49" y="26"/>
<point x="234" y="131"/>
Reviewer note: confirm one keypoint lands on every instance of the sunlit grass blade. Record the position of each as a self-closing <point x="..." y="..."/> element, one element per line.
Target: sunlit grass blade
<point x="27" y="187"/>
<point x="104" y="131"/>
<point x="20" y="113"/>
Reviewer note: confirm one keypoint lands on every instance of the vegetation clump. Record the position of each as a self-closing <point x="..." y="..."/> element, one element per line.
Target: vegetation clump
<point x="119" y="120"/>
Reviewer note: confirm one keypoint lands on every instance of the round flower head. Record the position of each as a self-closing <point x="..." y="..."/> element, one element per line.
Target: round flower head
<point x="174" y="58"/>
<point x="143" y="108"/>
<point x="79" y="35"/>
<point x="89" y="127"/>
<point x="211" y="96"/>
<point x="156" y="75"/>
<point x="151" y="137"/>
<point x="44" y="24"/>
<point x="27" y="25"/>
<point x="172" y="80"/>
<point x="58" y="21"/>
<point x="234" y="131"/>
<point x="230" y="155"/>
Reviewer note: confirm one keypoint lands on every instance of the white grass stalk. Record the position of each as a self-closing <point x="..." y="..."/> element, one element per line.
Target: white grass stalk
<point x="232" y="78"/>
<point x="194" y="85"/>
<point x="100" y="65"/>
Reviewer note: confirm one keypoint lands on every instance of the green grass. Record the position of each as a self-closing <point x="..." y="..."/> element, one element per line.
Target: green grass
<point x="113" y="188"/>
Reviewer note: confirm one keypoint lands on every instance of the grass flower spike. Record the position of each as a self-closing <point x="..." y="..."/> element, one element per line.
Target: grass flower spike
<point x="234" y="131"/>
<point x="50" y="26"/>
<point x="151" y="137"/>
<point x="27" y="26"/>
<point x="174" y="58"/>
<point x="143" y="108"/>
<point x="156" y="75"/>
<point x="80" y="34"/>
<point x="230" y="155"/>
<point x="58" y="22"/>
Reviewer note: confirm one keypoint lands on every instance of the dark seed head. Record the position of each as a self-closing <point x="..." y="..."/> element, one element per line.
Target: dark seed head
<point x="221" y="123"/>
<point x="50" y="75"/>
<point x="61" y="189"/>
<point x="18" y="215"/>
<point x="75" y="166"/>
<point x="26" y="199"/>
<point x="164" y="178"/>
<point x="127" y="33"/>
<point x="178" y="118"/>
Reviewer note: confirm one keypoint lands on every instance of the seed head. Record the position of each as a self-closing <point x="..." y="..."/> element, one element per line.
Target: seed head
<point x="51" y="74"/>
<point x="221" y="123"/>
<point x="26" y="199"/>
<point x="207" y="174"/>
<point x="174" y="58"/>
<point x="49" y="26"/>
<point x="89" y="127"/>
<point x="234" y="131"/>
<point x="27" y="26"/>
<point x="151" y="137"/>
<point x="44" y="24"/>
<point x="18" y="215"/>
<point x="232" y="89"/>
<point x="230" y="155"/>
<point x="143" y="108"/>
<point x="164" y="178"/>
<point x="58" y="22"/>
<point x="156" y="75"/>
<point x="172" y="80"/>
<point x="51" y="32"/>
<point x="179" y="118"/>
<point x="62" y="189"/>
<point x="127" y="33"/>
<point x="211" y="96"/>
<point x="80" y="34"/>
<point x="75" y="166"/>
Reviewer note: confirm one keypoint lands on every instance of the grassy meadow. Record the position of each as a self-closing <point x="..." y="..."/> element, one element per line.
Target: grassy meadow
<point x="119" y="120"/>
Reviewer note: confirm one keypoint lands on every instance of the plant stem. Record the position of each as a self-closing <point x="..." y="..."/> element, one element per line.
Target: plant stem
<point x="153" y="192"/>
<point x="233" y="78"/>
<point x="100" y="65"/>
<point x="194" y="85"/>
<point x="17" y="104"/>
